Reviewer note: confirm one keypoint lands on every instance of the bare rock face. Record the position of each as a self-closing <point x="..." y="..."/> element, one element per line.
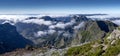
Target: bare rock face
<point x="114" y="35"/>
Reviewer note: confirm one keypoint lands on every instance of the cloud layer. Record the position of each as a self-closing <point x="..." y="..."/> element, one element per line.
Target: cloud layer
<point x="38" y="21"/>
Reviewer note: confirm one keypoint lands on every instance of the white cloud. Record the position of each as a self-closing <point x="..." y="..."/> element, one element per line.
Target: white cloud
<point x="104" y="17"/>
<point x="79" y="26"/>
<point x="38" y="21"/>
<point x="40" y="33"/>
<point x="6" y="21"/>
<point x="116" y="22"/>
<point x="43" y="33"/>
<point x="52" y="26"/>
<point x="62" y="25"/>
<point x="51" y="31"/>
<point x="14" y="18"/>
<point x="18" y="18"/>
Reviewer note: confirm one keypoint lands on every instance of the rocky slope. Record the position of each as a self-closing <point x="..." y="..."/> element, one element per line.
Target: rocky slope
<point x="93" y="30"/>
<point x="107" y="47"/>
<point x="73" y="33"/>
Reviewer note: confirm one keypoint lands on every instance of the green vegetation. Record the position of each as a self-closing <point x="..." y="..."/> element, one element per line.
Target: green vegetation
<point x="97" y="50"/>
<point x="118" y="28"/>
<point x="113" y="50"/>
<point x="91" y="32"/>
<point x="85" y="35"/>
<point x="85" y="50"/>
<point x="55" y="54"/>
<point x="79" y="50"/>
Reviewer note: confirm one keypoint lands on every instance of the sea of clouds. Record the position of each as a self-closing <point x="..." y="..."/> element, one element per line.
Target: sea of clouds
<point x="13" y="19"/>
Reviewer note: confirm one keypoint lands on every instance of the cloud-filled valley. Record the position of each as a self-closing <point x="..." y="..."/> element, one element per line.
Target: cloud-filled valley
<point x="57" y="23"/>
<point x="61" y="30"/>
<point x="39" y="26"/>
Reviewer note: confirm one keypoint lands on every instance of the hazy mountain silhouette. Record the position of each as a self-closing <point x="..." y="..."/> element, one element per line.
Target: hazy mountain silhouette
<point x="10" y="39"/>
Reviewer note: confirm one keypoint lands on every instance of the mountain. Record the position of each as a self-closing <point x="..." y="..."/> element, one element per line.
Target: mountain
<point x="30" y="30"/>
<point x="51" y="33"/>
<point x="93" y="30"/>
<point x="10" y="39"/>
<point x="80" y="30"/>
<point x="109" y="46"/>
<point x="54" y="35"/>
<point x="90" y="40"/>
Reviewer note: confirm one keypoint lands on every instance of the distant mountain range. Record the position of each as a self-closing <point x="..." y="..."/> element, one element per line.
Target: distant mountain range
<point x="52" y="32"/>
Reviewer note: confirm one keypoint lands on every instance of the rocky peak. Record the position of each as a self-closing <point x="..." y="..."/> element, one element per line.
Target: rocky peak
<point x="80" y="18"/>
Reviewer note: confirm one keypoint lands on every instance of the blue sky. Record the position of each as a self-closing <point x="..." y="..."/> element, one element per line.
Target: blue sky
<point x="59" y="6"/>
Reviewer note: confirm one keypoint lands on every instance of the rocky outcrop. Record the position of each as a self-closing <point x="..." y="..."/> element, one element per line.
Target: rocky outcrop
<point x="114" y="35"/>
